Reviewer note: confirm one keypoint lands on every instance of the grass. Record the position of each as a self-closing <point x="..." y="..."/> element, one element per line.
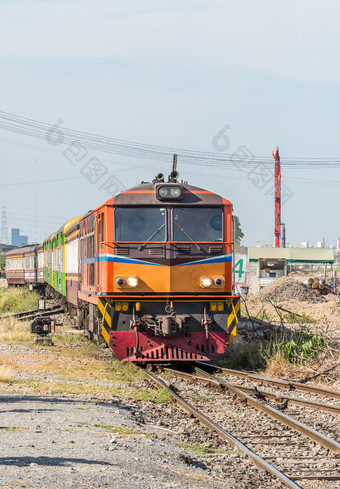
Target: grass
<point x="7" y="375"/>
<point x="124" y="372"/>
<point x="278" y="366"/>
<point x="17" y="299"/>
<point x="74" y="365"/>
<point x="161" y="396"/>
<point x="298" y="319"/>
<point x="245" y="356"/>
<point x="14" y="331"/>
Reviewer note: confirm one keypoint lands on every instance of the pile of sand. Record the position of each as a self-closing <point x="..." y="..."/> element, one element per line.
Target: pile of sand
<point x="286" y="289"/>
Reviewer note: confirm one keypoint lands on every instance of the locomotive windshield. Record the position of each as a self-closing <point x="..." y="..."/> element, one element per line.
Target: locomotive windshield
<point x="198" y="224"/>
<point x="148" y="224"/>
<point x="140" y="224"/>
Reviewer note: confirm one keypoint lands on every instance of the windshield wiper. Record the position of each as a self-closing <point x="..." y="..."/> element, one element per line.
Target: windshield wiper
<point x="186" y="234"/>
<point x="154" y="234"/>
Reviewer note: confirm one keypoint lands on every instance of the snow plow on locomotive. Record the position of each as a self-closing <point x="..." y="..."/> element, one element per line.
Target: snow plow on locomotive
<point x="150" y="272"/>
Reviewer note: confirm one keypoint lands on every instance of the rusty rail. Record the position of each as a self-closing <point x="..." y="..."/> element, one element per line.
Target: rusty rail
<point x="288" y="384"/>
<point x="259" y="462"/>
<point x="279" y="416"/>
<point x="248" y="390"/>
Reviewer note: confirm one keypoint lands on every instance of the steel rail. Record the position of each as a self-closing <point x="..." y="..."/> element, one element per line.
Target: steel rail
<point x="20" y="314"/>
<point x="259" y="462"/>
<point x="277" y="382"/>
<point x="248" y="390"/>
<point x="279" y="416"/>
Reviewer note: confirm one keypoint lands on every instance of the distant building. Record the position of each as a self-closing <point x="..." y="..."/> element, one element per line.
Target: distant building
<point x="304" y="244"/>
<point x="17" y="238"/>
<point x="338" y="245"/>
<point x="5" y="247"/>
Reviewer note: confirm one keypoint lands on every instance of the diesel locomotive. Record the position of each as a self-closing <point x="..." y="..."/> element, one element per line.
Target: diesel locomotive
<point x="149" y="272"/>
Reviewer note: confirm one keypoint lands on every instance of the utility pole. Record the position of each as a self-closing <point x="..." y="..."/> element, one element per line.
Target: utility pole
<point x="35" y="203"/>
<point x="283" y="240"/>
<point x="4" y="229"/>
<point x="277" y="228"/>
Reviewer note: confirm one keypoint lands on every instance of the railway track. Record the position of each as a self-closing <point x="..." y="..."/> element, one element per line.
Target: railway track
<point x="284" y="384"/>
<point x="204" y="377"/>
<point x="274" y="433"/>
<point x="27" y="315"/>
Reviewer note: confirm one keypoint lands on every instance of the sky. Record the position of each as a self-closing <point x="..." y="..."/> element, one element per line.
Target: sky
<point x="223" y="76"/>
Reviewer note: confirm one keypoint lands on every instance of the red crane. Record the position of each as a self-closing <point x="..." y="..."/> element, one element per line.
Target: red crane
<point x="277" y="229"/>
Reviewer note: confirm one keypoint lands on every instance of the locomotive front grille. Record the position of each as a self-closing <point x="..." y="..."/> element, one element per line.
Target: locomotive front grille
<point x="183" y="250"/>
<point x="216" y="249"/>
<point x="168" y="353"/>
<point x="122" y="251"/>
<point x="156" y="251"/>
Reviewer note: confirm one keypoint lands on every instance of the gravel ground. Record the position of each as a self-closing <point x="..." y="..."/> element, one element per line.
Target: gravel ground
<point x="75" y="441"/>
<point x="95" y="441"/>
<point x="53" y="442"/>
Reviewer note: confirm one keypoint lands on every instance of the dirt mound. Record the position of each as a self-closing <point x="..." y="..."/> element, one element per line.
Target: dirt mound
<point x="286" y="289"/>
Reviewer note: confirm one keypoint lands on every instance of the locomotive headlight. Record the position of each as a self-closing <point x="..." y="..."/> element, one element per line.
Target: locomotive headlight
<point x="169" y="192"/>
<point x="120" y="282"/>
<point x="163" y="192"/>
<point x="175" y="192"/>
<point x="219" y="281"/>
<point x="206" y="282"/>
<point x="132" y="281"/>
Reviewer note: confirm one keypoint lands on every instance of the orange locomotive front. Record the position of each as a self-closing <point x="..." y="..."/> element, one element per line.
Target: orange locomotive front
<point x="156" y="265"/>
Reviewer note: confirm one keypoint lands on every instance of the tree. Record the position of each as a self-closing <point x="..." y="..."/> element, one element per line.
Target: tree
<point x="239" y="235"/>
<point x="2" y="261"/>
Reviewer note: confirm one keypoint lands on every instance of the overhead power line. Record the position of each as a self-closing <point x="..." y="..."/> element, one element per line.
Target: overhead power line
<point x="40" y="181"/>
<point x="66" y="136"/>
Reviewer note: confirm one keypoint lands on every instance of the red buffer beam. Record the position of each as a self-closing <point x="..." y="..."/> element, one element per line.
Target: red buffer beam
<point x="277" y="229"/>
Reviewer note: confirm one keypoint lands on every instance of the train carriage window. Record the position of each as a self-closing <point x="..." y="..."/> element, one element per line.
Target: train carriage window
<point x="87" y="251"/>
<point x="197" y="224"/>
<point x="140" y="224"/>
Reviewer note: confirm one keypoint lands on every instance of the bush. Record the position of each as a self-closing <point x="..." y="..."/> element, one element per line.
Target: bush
<point x="295" y="349"/>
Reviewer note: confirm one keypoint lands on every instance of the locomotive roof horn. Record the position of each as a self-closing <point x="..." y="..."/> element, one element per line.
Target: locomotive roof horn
<point x="174" y="174"/>
<point x="159" y="178"/>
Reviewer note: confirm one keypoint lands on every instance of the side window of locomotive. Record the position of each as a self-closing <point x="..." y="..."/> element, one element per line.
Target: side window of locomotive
<point x="197" y="224"/>
<point x="140" y="224"/>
